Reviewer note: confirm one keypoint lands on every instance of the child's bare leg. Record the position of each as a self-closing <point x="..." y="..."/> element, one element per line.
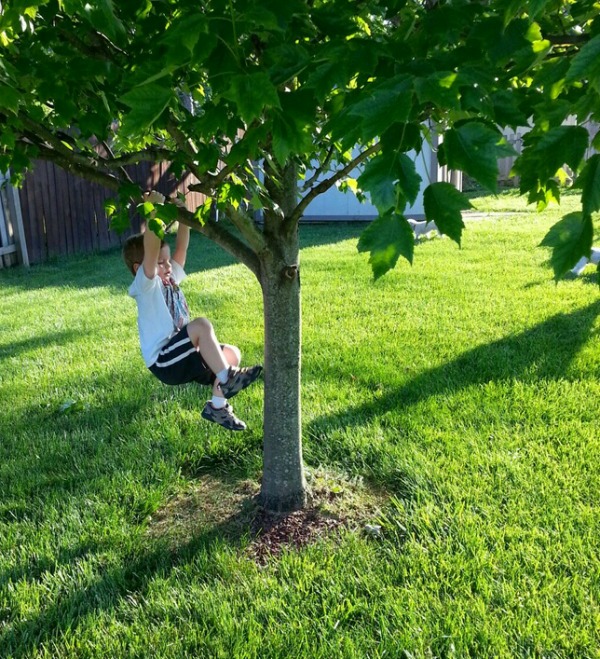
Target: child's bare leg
<point x="202" y="335"/>
<point x="233" y="356"/>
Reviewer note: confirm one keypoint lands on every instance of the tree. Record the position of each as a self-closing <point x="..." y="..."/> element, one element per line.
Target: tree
<point x="269" y="104"/>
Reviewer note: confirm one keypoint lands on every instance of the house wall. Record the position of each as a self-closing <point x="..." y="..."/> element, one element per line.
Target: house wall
<point x="337" y="205"/>
<point x="515" y="138"/>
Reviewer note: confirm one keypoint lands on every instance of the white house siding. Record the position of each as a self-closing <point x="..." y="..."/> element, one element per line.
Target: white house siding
<point x="337" y="205"/>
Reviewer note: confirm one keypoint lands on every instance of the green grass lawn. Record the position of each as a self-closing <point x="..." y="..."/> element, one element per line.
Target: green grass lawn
<point x="462" y="393"/>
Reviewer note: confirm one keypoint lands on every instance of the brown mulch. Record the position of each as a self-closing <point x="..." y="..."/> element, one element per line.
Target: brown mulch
<point x="232" y="510"/>
<point x="273" y="533"/>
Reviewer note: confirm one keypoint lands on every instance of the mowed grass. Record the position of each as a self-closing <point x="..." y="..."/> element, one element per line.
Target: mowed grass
<point x="464" y="388"/>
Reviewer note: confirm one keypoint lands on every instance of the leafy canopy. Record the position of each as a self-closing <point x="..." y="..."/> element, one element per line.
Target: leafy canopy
<point x="252" y="95"/>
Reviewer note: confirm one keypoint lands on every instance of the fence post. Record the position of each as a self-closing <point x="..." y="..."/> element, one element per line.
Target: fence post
<point x="14" y="208"/>
<point x="12" y="234"/>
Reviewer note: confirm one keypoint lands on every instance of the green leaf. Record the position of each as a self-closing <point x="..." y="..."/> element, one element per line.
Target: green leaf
<point x="474" y="149"/>
<point x="570" y="239"/>
<point x="409" y="182"/>
<point x="101" y="16"/>
<point x="390" y="179"/>
<point x="252" y="93"/>
<point x="564" y="144"/>
<point x="110" y="207"/>
<point x="166" y="212"/>
<point x="70" y="406"/>
<point x="443" y="204"/>
<point x="289" y="136"/>
<point x="439" y="89"/>
<point x="387" y="238"/>
<point x="186" y="30"/>
<point x="586" y="64"/>
<point x="389" y="103"/>
<point x="532" y="7"/>
<point x="147" y="103"/>
<point x="146" y="209"/>
<point x="202" y="213"/>
<point x="541" y="160"/>
<point x="379" y="179"/>
<point x="402" y="137"/>
<point x="129" y="190"/>
<point x="506" y="109"/>
<point x="589" y="182"/>
<point x="544" y="195"/>
<point x="9" y="98"/>
<point x="157" y="227"/>
<point x="119" y="220"/>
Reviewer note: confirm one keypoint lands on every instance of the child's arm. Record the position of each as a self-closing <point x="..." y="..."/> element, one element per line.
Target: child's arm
<point x="151" y="252"/>
<point x="151" y="240"/>
<point x="181" y="244"/>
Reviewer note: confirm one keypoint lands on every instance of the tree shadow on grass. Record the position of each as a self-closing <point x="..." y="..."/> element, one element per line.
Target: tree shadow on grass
<point x="80" y="470"/>
<point x="14" y="348"/>
<point x="542" y="352"/>
<point x="131" y="577"/>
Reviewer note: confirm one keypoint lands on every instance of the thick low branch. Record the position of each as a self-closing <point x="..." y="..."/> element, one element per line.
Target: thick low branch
<point x="247" y="228"/>
<point x="87" y="171"/>
<point x="39" y="134"/>
<point x="219" y="234"/>
<point x="328" y="183"/>
<point x="151" y="154"/>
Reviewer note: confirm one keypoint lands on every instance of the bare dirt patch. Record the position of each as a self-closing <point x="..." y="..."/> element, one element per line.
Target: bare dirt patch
<point x="213" y="506"/>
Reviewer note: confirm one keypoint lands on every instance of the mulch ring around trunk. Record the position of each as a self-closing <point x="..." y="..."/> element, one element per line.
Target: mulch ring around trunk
<point x="273" y="533"/>
<point x="211" y="506"/>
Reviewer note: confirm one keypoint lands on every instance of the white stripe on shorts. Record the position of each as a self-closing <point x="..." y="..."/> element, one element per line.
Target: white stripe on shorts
<point x="171" y="348"/>
<point x="183" y="355"/>
<point x="166" y="351"/>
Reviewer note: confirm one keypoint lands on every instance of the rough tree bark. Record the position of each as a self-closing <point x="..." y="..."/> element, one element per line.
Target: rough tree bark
<point x="283" y="485"/>
<point x="283" y="482"/>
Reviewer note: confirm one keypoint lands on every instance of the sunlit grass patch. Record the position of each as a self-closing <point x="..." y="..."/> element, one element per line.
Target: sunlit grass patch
<point x="450" y="421"/>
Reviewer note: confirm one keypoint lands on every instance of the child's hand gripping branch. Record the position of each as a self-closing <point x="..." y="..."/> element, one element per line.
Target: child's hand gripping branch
<point x="176" y="349"/>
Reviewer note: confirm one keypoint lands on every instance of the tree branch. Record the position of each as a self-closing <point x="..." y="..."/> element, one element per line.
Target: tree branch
<point x="320" y="169"/>
<point x="295" y="216"/>
<point x="224" y="238"/>
<point x="112" y="157"/>
<point x="151" y="154"/>
<point x="185" y="145"/>
<point x="85" y="170"/>
<point x="567" y="39"/>
<point x="247" y="228"/>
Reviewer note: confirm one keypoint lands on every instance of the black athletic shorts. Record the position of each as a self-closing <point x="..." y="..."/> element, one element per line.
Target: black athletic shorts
<point x="179" y="362"/>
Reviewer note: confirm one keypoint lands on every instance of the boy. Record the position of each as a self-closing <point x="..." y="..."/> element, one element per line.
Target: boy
<point x="176" y="349"/>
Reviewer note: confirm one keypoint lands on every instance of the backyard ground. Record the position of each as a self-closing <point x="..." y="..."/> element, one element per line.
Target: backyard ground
<point x="451" y="437"/>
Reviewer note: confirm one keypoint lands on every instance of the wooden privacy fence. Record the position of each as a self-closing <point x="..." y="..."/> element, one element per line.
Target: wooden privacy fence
<point x="64" y="214"/>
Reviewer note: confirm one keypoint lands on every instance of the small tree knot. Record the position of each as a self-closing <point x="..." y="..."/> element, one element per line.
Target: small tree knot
<point x="291" y="271"/>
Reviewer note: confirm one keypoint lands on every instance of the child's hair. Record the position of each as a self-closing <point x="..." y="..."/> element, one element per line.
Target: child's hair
<point x="133" y="251"/>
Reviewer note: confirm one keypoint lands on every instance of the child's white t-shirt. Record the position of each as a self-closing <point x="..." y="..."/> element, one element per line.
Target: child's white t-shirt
<point x="155" y="323"/>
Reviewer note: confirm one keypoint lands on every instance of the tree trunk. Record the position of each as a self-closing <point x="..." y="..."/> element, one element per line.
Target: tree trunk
<point x="283" y="483"/>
